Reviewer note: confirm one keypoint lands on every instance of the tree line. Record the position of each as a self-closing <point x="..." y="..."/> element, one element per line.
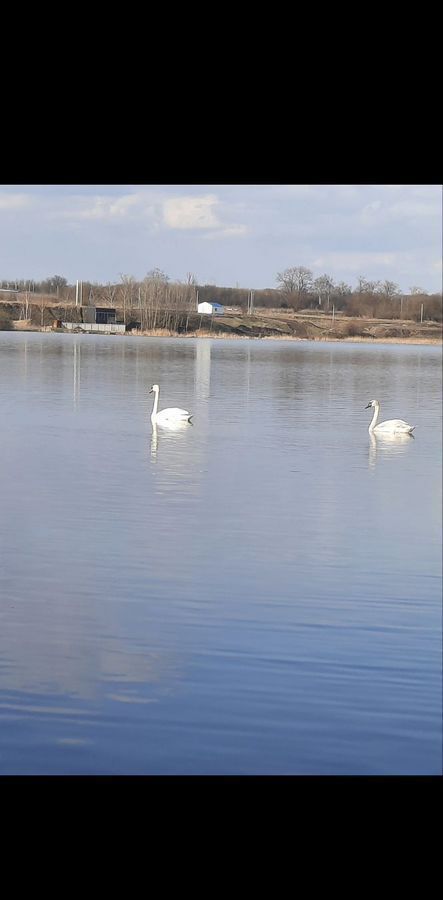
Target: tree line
<point x="296" y="289"/>
<point x="372" y="299"/>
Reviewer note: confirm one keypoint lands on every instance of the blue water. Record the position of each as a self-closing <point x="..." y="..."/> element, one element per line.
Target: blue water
<point x="259" y="593"/>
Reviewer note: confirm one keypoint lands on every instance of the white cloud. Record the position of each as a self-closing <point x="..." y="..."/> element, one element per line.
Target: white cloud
<point x="107" y="208"/>
<point x="14" y="201"/>
<point x="409" y="208"/>
<point x="191" y="212"/>
<point x="199" y="213"/>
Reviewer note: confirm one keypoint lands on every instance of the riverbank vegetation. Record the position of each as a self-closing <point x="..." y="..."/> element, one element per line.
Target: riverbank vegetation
<point x="299" y="306"/>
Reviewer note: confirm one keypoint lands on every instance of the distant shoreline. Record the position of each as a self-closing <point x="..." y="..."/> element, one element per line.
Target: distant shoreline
<point x="263" y="324"/>
<point x="357" y="339"/>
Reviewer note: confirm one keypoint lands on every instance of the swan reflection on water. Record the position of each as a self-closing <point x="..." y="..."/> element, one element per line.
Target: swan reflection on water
<point x="169" y="432"/>
<point x="388" y="445"/>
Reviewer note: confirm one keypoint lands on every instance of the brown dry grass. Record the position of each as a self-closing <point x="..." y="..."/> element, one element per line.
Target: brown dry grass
<point x="393" y="340"/>
<point x="202" y="332"/>
<point x="205" y="333"/>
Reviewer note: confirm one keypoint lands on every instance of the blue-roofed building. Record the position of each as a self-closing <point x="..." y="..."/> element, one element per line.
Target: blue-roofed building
<point x="211" y="308"/>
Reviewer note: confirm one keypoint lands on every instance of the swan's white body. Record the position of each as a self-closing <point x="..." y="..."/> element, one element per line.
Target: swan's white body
<point x="171" y="416"/>
<point x="391" y="426"/>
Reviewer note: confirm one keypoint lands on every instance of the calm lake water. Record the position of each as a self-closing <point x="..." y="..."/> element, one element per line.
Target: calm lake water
<point x="259" y="593"/>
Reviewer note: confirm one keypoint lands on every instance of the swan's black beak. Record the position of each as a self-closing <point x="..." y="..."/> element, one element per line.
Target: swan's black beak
<point x="367" y="407"/>
<point x="151" y="391"/>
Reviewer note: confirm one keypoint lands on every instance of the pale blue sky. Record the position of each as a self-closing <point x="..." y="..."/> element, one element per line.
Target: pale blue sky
<point x="226" y="235"/>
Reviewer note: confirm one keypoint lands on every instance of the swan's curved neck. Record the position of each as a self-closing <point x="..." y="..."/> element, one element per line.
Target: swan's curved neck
<point x="155" y="407"/>
<point x="374" y="417"/>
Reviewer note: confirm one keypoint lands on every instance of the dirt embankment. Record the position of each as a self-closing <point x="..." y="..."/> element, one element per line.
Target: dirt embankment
<point x="304" y="327"/>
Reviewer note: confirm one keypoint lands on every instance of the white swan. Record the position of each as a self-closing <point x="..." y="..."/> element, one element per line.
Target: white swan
<point x="171" y="416"/>
<point x="391" y="426"/>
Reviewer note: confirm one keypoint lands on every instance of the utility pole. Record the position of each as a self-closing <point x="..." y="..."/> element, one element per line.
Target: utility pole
<point x="76" y="293"/>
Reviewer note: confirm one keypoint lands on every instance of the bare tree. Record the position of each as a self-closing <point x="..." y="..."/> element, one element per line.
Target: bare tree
<point x="153" y="297"/>
<point x="389" y="289"/>
<point x="324" y="286"/>
<point x="24" y="301"/>
<point x="343" y="289"/>
<point x="295" y="282"/>
<point x="59" y="284"/>
<point x="157" y="275"/>
<point x="127" y="290"/>
<point x="361" y="284"/>
<point x="367" y="287"/>
<point x="42" y="309"/>
<point x="108" y="293"/>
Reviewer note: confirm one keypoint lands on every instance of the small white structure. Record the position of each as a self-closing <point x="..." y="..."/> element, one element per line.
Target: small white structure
<point x="211" y="308"/>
